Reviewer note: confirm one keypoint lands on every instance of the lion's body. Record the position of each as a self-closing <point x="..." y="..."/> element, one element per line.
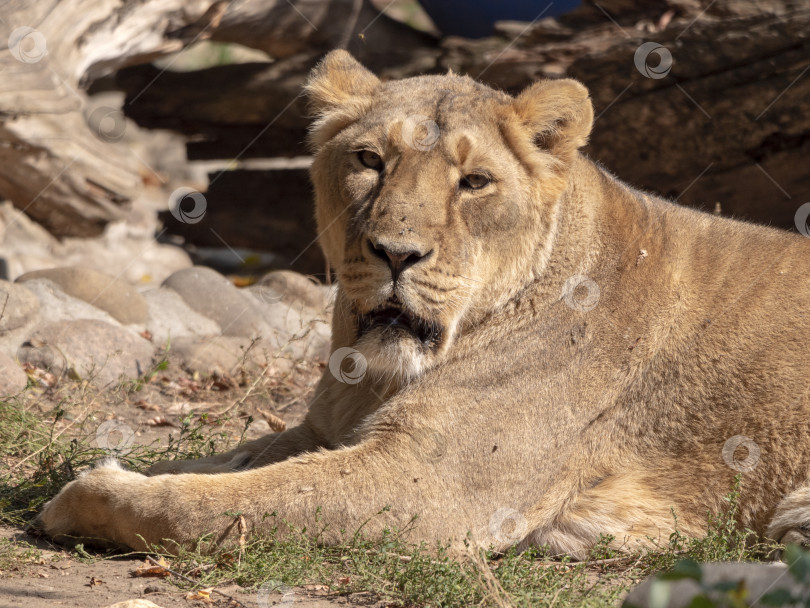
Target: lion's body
<point x="511" y="407"/>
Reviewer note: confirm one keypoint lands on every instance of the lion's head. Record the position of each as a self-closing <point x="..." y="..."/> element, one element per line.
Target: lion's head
<point x="436" y="201"/>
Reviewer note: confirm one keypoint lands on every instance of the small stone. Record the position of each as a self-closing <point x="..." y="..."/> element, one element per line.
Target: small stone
<point x="88" y="349"/>
<point x="116" y="297"/>
<point x="12" y="378"/>
<point x="18" y="306"/>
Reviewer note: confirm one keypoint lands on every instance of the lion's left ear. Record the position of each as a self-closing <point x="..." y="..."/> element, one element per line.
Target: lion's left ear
<point x="559" y="115"/>
<point x="340" y="90"/>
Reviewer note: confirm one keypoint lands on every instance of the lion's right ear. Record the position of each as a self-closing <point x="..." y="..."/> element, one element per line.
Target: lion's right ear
<point x="340" y="90"/>
<point x="559" y="115"/>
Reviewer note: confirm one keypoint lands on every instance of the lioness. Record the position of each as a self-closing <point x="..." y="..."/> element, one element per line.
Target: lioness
<point x="541" y="353"/>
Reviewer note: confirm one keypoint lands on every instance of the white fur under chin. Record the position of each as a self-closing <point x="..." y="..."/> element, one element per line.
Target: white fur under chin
<point x="392" y="360"/>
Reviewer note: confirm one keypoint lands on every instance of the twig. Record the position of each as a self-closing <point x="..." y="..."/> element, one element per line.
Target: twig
<point x="192" y="581"/>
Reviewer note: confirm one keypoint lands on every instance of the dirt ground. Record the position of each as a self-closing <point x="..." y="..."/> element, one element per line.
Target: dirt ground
<point x="154" y="410"/>
<point x="58" y="578"/>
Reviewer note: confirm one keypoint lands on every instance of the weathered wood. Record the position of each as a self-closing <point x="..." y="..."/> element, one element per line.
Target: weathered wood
<point x="251" y="110"/>
<point x="728" y="124"/>
<point x="65" y="169"/>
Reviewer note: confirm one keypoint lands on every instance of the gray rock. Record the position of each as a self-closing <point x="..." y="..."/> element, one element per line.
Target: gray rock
<point x="301" y="332"/>
<point x="18" y="306"/>
<point x="759" y="579"/>
<point x="215" y="297"/>
<point x="88" y="349"/>
<point x="24" y="244"/>
<point x="12" y="378"/>
<point x="298" y="311"/>
<point x="170" y="318"/>
<point x="56" y="305"/>
<point x="227" y="355"/>
<point x="292" y="288"/>
<point x="108" y="293"/>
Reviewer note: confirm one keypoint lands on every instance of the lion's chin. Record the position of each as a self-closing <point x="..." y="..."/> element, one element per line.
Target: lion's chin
<point x="398" y="345"/>
<point x="393" y="358"/>
<point x="394" y="354"/>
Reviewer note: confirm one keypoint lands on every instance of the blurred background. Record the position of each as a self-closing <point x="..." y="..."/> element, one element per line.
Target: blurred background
<point x="138" y="136"/>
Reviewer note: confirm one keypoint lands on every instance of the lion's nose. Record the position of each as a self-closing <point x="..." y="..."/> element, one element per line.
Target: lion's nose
<point x="398" y="256"/>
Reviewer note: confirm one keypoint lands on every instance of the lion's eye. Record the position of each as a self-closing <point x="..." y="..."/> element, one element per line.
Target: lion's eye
<point x="370" y="159"/>
<point x="474" y="181"/>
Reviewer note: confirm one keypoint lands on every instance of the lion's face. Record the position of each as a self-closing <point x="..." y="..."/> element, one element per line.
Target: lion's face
<point x="436" y="200"/>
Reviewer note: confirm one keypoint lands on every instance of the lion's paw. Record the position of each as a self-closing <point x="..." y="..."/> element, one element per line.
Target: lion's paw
<point x="83" y="510"/>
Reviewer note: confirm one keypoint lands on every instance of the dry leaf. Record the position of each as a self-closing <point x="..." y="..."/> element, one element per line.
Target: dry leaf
<point x="150" y="569"/>
<point x="315" y="588"/>
<point x="223" y="382"/>
<point x="42" y="377"/>
<point x="345" y="580"/>
<point x="149" y="407"/>
<point x="146" y="334"/>
<point x="242" y="533"/>
<point x="159" y="421"/>
<point x="189" y="385"/>
<point x="201" y="595"/>
<point x="182" y="408"/>
<point x="276" y="423"/>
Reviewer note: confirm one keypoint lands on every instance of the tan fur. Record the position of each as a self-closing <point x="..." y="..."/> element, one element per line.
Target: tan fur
<point x="564" y="417"/>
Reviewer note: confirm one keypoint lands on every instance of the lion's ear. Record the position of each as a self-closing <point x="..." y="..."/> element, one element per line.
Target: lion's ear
<point x="559" y="115"/>
<point x="340" y="91"/>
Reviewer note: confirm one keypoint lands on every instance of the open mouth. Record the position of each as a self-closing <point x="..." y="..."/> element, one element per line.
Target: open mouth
<point x="396" y="319"/>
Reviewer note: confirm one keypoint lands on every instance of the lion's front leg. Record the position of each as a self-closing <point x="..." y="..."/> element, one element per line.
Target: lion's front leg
<point x="337" y="490"/>
<point x="258" y="453"/>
